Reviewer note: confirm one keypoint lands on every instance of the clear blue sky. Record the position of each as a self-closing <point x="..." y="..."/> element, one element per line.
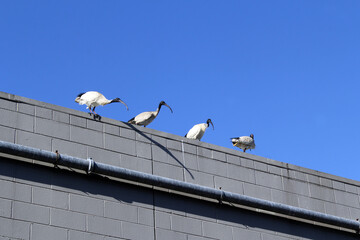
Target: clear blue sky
<point x="286" y="71"/>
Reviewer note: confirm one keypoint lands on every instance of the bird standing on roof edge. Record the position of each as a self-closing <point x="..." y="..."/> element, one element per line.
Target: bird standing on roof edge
<point x="145" y="118"/>
<point x="198" y="130"/>
<point x="244" y="142"/>
<point x="92" y="99"/>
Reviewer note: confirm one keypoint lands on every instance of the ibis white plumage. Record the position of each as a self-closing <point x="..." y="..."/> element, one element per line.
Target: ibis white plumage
<point x="145" y="118"/>
<point x="198" y="130"/>
<point x="92" y="99"/>
<point x="244" y="142"/>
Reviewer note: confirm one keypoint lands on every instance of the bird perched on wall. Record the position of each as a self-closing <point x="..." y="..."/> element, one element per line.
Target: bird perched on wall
<point x="93" y="99"/>
<point x="145" y="118"/>
<point x="244" y="142"/>
<point x="198" y="130"/>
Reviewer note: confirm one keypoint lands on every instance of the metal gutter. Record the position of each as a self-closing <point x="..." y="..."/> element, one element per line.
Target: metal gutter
<point x="88" y="165"/>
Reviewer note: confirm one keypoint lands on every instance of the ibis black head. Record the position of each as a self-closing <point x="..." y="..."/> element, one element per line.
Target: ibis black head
<point x="119" y="100"/>
<point x="77" y="99"/>
<point x="252" y="136"/>
<point x="208" y="123"/>
<point x="164" y="103"/>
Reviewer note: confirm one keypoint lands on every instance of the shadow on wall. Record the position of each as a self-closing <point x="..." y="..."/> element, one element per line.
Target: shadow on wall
<point x="160" y="146"/>
<point x="110" y="190"/>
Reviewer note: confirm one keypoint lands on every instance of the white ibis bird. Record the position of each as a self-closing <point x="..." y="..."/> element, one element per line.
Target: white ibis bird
<point x="145" y="118"/>
<point x="244" y="142"/>
<point x="198" y="130"/>
<point x="93" y="99"/>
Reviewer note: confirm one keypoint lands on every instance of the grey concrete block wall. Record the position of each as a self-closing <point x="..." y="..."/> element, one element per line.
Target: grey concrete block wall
<point x="38" y="202"/>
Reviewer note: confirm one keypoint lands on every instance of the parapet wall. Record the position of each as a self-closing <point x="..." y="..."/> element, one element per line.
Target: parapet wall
<point x="44" y="201"/>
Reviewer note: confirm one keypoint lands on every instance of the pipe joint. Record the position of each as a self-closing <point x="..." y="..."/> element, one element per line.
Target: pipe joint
<point x="91" y="166"/>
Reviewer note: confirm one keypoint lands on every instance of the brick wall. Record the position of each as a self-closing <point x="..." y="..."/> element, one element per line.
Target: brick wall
<point x="41" y="202"/>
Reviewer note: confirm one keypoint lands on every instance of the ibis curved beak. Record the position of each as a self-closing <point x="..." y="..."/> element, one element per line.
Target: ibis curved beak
<point x="168" y="107"/>
<point x="125" y="105"/>
<point x="212" y="124"/>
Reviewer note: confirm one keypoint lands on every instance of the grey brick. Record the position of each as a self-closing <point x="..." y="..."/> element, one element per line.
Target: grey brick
<point x="275" y="170"/>
<point x="284" y="197"/>
<point x="43" y="112"/>
<point x="127" y="133"/>
<point x="162" y="220"/>
<point x="134" y="163"/>
<point x="204" y="152"/>
<point x="61" y="117"/>
<point x="228" y="185"/>
<point x="189" y="148"/>
<point x="192" y="237"/>
<point x="77" y="235"/>
<point x="257" y="191"/>
<point x="219" y="156"/>
<point x="105" y="226"/>
<point x="137" y="231"/>
<point x="52" y="128"/>
<point x="86" y="205"/>
<point x="248" y="163"/>
<point x="26" y="108"/>
<point x="121" y="211"/>
<point x="146" y="216"/>
<point x="268" y="180"/>
<point x="242" y="233"/>
<point x="326" y="182"/>
<point x="186" y="225"/>
<point x="7" y="134"/>
<point x="15" y="191"/>
<point x="211" y="166"/>
<point x="49" y="197"/>
<point x="143" y="137"/>
<point x="241" y="173"/>
<point x="67" y="219"/>
<point x="322" y="193"/>
<point x="233" y="159"/>
<point x="86" y="136"/>
<point x="158" y="141"/>
<point x="217" y="231"/>
<point x="337" y="210"/>
<point x="273" y="237"/>
<point x="339" y="185"/>
<point x="346" y="198"/>
<point x="261" y="166"/>
<point x="190" y="161"/>
<point x="7" y="104"/>
<point x="14" y="229"/>
<point x="77" y="121"/>
<point x="311" y="204"/>
<point x="31" y="212"/>
<point x="200" y="178"/>
<point x="118" y="144"/>
<point x="176" y="145"/>
<point x="143" y="150"/>
<point x="162" y="234"/>
<point x="34" y="140"/>
<point x="104" y="156"/>
<point x="164" y="155"/>
<point x="5" y="208"/>
<point x="112" y="129"/>
<point x="69" y="148"/>
<point x="44" y="232"/>
<point x="314" y="179"/>
<point x="352" y="188"/>
<point x="94" y="125"/>
<point x="169" y="171"/>
<point x="295" y="186"/>
<point x="17" y="120"/>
